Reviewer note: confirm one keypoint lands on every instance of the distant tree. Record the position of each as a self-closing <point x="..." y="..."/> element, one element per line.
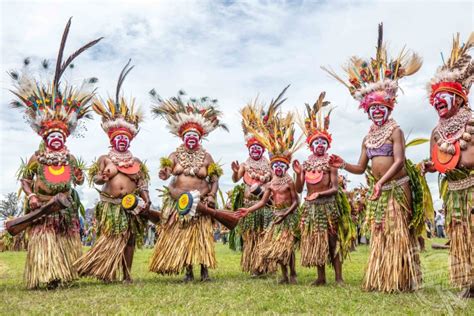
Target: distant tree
<point x="10" y="206"/>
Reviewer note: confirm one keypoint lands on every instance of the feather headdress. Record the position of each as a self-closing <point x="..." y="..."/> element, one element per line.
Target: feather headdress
<point x="118" y="116"/>
<point x="375" y="81"/>
<point x="276" y="133"/>
<point x="315" y="123"/>
<point x="53" y="107"/>
<point x="457" y="74"/>
<point x="255" y="111"/>
<point x="188" y="114"/>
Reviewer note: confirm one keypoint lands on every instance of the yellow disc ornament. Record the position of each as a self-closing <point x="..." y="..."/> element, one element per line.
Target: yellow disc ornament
<point x="129" y="201"/>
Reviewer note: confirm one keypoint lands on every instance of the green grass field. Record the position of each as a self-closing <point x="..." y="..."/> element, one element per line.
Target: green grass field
<point x="231" y="291"/>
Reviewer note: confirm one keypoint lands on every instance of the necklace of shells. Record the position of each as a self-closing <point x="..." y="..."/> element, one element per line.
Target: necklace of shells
<point x="317" y="163"/>
<point x="258" y="169"/>
<point x="191" y="161"/>
<point x="121" y="159"/>
<point x="54" y="158"/>
<point x="460" y="127"/>
<point x="378" y="135"/>
<point x="280" y="182"/>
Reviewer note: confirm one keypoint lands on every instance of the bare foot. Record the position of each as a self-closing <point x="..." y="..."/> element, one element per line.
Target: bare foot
<point x="340" y="282"/>
<point x="293" y="280"/>
<point x="318" y="282"/>
<point x="467" y="293"/>
<point x="127" y="281"/>
<point x="283" y="281"/>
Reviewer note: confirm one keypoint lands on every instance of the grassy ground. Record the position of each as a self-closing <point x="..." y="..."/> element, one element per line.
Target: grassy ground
<point x="231" y="291"/>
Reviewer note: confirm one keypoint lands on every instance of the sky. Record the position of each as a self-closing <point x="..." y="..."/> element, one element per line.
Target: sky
<point x="229" y="50"/>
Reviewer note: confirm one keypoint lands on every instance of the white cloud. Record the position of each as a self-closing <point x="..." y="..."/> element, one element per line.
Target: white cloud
<point x="231" y="51"/>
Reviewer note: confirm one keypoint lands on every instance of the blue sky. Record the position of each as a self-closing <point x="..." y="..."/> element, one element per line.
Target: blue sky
<point x="229" y="50"/>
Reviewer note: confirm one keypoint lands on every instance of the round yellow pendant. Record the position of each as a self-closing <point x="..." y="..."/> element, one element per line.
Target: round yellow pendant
<point x="129" y="201"/>
<point x="183" y="201"/>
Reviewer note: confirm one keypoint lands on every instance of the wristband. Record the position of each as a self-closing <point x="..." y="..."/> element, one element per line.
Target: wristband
<point x="30" y="195"/>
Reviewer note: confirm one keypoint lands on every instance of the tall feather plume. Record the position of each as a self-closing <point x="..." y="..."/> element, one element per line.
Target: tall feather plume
<point x="122" y="76"/>
<point x="59" y="60"/>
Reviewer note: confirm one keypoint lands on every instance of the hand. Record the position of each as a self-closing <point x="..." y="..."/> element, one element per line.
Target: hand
<point x="280" y="216"/>
<point x="164" y="173"/>
<point x="377" y="192"/>
<point x="335" y="161"/>
<point x="312" y="196"/>
<point x="427" y="166"/>
<point x="79" y="175"/>
<point x="296" y="166"/>
<point x="211" y="201"/>
<point x="146" y="207"/>
<point x="34" y="202"/>
<point x="242" y="212"/>
<point x="235" y="166"/>
<point x="103" y="177"/>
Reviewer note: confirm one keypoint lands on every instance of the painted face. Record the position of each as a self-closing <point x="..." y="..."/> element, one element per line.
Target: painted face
<point x="378" y="113"/>
<point x="444" y="103"/>
<point x="319" y="146"/>
<point x="279" y="168"/>
<point x="256" y="151"/>
<point x="121" y="143"/>
<point x="55" y="141"/>
<point x="191" y="140"/>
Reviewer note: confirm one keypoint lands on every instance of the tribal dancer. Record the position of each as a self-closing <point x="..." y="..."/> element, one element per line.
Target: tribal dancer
<point x="124" y="207"/>
<point x="278" y="246"/>
<point x="394" y="211"/>
<point x="256" y="173"/>
<point x="53" y="111"/>
<point x="186" y="234"/>
<point x="327" y="228"/>
<point x="452" y="154"/>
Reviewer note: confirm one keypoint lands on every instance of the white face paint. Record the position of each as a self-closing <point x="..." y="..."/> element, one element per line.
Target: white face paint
<point x="443" y="103"/>
<point x="55" y="141"/>
<point x="279" y="168"/>
<point x="378" y="113"/>
<point x="121" y="143"/>
<point x="191" y="139"/>
<point x="319" y="146"/>
<point x="256" y="151"/>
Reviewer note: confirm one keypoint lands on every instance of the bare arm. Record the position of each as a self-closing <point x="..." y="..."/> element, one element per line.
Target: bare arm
<point x="361" y="166"/>
<point x="27" y="186"/>
<point x="334" y="185"/>
<point x="236" y="176"/>
<point x="300" y="176"/>
<point x="100" y="177"/>
<point x="261" y="203"/>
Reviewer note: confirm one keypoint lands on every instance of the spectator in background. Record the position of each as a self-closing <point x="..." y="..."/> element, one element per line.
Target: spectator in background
<point x="439" y="222"/>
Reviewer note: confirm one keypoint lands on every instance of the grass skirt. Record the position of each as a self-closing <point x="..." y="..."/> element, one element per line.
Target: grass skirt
<point x="394" y="263"/>
<point x="319" y="219"/>
<point x="459" y="205"/>
<point x="253" y="233"/>
<point x="105" y="260"/>
<point x="51" y="254"/>
<point x="182" y="243"/>
<point x="279" y="241"/>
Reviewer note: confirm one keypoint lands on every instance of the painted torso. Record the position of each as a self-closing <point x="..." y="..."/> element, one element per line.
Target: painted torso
<point x="317" y="173"/>
<point x="190" y="172"/>
<point x="256" y="173"/>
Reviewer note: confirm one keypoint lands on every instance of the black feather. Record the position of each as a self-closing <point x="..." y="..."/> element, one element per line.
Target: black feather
<point x="59" y="60"/>
<point x="14" y="74"/>
<point x="93" y="80"/>
<point x="122" y="76"/>
<point x="45" y="63"/>
<point x="26" y="61"/>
